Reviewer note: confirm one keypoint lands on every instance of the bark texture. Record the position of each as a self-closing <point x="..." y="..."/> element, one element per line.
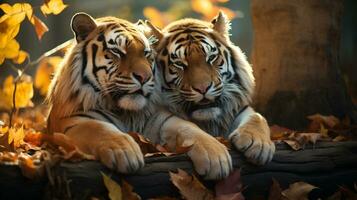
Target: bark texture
<point x="326" y="165"/>
<point x="295" y="60"/>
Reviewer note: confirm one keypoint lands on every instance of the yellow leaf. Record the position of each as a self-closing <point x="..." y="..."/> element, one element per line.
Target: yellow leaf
<point x="15" y="14"/>
<point x="11" y="50"/>
<point x="113" y="188"/>
<point x="40" y="27"/>
<point x="190" y="187"/>
<point x="53" y="7"/>
<point x="16" y="136"/>
<point x="155" y="16"/>
<point x="44" y="72"/>
<point x="23" y="96"/>
<point x="7" y="33"/>
<point x="21" y="57"/>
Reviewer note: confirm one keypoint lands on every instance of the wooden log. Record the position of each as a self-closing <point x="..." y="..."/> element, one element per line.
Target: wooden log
<point x="327" y="165"/>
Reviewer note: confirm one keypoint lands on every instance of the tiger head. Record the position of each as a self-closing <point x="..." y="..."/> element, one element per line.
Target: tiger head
<point x="111" y="63"/>
<point x="204" y="76"/>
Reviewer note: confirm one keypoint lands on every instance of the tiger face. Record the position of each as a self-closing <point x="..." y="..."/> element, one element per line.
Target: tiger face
<point x="203" y="75"/>
<point x="117" y="60"/>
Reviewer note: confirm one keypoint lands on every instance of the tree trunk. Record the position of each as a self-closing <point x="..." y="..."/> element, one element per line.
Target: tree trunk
<point x="326" y="165"/>
<point x="295" y="60"/>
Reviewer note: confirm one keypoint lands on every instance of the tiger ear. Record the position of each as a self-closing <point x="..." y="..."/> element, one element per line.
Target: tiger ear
<point x="155" y="31"/>
<point x="82" y="25"/>
<point x="221" y="24"/>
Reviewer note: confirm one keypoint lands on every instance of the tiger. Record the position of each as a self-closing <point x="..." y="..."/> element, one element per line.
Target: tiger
<point x="207" y="80"/>
<point x="106" y="86"/>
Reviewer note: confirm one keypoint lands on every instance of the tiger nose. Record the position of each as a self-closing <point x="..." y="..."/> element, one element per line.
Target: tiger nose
<point x="202" y="88"/>
<point x="141" y="77"/>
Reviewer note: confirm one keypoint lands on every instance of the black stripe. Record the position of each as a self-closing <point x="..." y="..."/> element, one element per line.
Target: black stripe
<point x="68" y="128"/>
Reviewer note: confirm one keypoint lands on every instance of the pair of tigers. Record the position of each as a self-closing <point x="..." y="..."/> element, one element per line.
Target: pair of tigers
<point x="180" y="86"/>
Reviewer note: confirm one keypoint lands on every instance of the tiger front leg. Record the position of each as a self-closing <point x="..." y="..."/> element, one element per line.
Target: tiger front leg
<point x="253" y="137"/>
<point x="210" y="158"/>
<point x="115" y="149"/>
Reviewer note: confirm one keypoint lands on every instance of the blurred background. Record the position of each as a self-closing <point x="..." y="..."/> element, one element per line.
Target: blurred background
<point x="161" y="12"/>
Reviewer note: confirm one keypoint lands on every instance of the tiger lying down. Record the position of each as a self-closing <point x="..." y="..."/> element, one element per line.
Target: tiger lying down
<point x="107" y="85"/>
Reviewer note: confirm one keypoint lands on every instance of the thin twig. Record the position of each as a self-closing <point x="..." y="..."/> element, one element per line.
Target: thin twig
<point x="29" y="64"/>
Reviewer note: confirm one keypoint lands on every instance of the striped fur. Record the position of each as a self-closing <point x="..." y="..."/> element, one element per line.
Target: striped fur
<point x="90" y="79"/>
<point x="207" y="80"/>
<point x="232" y="81"/>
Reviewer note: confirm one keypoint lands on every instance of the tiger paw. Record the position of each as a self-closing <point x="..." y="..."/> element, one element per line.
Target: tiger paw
<point x="210" y="158"/>
<point x="253" y="138"/>
<point x="120" y="152"/>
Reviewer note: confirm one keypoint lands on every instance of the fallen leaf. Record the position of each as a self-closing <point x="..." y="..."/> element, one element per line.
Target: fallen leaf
<point x="318" y="119"/>
<point x="312" y="138"/>
<point x="114" y="189"/>
<point x="16" y="136"/>
<point x="40" y="26"/>
<point x="34" y="138"/>
<point x="298" y="191"/>
<point x="190" y="187"/>
<point x="275" y="192"/>
<point x="145" y="145"/>
<point x="31" y="166"/>
<point x="293" y="144"/>
<point x="128" y="193"/>
<point x="279" y="132"/>
<point x="339" y="138"/>
<point x="230" y="187"/>
<point x="53" y="7"/>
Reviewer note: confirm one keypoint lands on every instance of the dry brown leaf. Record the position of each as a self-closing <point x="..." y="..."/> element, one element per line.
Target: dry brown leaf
<point x="190" y="187"/>
<point x="293" y="144"/>
<point x="275" y="192"/>
<point x="145" y="145"/>
<point x="312" y="138"/>
<point x="31" y="167"/>
<point x="128" y="193"/>
<point x="318" y="119"/>
<point x="230" y="187"/>
<point x="40" y="26"/>
<point x="298" y="191"/>
<point x="279" y="132"/>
